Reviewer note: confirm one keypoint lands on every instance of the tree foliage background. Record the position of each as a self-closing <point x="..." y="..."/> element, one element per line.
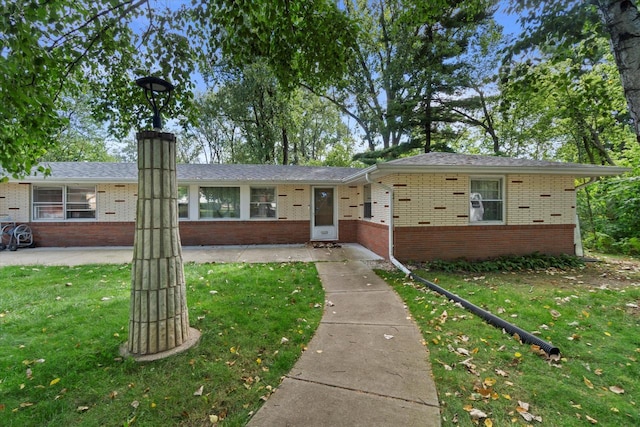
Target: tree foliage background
<point x="332" y="82"/>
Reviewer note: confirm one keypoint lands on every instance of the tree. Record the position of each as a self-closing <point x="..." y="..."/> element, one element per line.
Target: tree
<point x="55" y="50"/>
<point x="82" y="140"/>
<point x="250" y="120"/>
<point x="569" y="22"/>
<point x="410" y="57"/>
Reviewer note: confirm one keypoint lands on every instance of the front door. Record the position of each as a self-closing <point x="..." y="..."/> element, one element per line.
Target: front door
<point x="324" y="218"/>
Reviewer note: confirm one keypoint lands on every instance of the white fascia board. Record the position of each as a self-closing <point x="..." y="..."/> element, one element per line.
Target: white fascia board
<point x="379" y="171"/>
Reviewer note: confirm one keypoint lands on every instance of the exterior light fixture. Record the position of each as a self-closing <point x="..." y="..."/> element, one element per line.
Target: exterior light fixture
<point x="153" y="86"/>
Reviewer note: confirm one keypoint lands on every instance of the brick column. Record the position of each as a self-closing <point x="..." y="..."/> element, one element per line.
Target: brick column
<point x="159" y="319"/>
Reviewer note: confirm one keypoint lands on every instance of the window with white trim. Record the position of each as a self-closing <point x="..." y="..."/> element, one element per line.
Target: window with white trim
<point x="367" y="201"/>
<point x="219" y="202"/>
<point x="486" y="200"/>
<point x="183" y="202"/>
<point x="60" y="202"/>
<point x="262" y="202"/>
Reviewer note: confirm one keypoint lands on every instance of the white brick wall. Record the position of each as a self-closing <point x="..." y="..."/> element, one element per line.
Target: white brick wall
<point x="15" y="201"/>
<point x="535" y="199"/>
<point x="294" y="202"/>
<point x="349" y="202"/>
<point x="443" y="199"/>
<point x="116" y="202"/>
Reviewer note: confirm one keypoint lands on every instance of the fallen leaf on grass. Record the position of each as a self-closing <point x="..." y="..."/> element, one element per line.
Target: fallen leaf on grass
<point x="489" y="382"/>
<point x="501" y="373"/>
<point x="199" y="391"/>
<point x="523" y="410"/>
<point x="615" y="389"/>
<point x="54" y="381"/>
<point x="82" y="408"/>
<point x="591" y="420"/>
<point x="462" y="351"/>
<point x="587" y="382"/>
<point x="476" y="414"/>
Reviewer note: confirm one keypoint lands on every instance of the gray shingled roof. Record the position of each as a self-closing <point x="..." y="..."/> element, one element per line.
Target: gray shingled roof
<point x="454" y="159"/>
<point x="124" y="172"/>
<point x="467" y="163"/>
<point x="429" y="162"/>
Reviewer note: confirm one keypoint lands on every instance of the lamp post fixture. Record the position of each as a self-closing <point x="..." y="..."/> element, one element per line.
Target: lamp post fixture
<point x="152" y="87"/>
<point x="159" y="318"/>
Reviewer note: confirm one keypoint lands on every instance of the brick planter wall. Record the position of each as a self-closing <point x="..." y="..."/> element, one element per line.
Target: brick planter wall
<point x="374" y="236"/>
<point x="481" y="242"/>
<point x="348" y="231"/>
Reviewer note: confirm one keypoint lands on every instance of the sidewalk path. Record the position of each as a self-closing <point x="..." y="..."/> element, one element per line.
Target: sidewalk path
<point x="198" y="254"/>
<point x="365" y="366"/>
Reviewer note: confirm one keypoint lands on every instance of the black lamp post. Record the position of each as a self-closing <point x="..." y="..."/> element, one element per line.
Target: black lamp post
<point x="153" y="86"/>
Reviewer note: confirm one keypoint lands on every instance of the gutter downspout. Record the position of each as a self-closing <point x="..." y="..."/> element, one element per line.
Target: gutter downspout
<point x="524" y="336"/>
<point x="577" y="235"/>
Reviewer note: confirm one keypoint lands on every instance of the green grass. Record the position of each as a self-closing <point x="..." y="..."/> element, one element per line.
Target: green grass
<point x="61" y="329"/>
<point x="597" y="333"/>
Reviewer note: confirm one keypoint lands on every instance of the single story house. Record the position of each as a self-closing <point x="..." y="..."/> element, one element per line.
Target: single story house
<point x="425" y="207"/>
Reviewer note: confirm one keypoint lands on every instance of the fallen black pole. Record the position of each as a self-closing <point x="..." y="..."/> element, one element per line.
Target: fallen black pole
<point x="524" y="336"/>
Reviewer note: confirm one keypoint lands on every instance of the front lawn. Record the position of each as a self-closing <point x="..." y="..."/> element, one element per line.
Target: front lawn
<point x="488" y="378"/>
<point x="61" y="329"/>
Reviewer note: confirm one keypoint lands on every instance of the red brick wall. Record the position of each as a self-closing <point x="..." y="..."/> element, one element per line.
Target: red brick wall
<point x="411" y="243"/>
<point x="348" y="231"/>
<point x="63" y="234"/>
<point x="374" y="236"/>
<point x="194" y="233"/>
<point x="481" y="242"/>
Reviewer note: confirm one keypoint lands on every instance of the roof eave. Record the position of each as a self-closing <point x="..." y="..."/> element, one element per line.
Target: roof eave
<point x="381" y="170"/>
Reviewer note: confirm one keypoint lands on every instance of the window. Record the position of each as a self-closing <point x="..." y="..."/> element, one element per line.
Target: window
<point x="219" y="202"/>
<point x="64" y="202"/>
<point x="263" y="202"/>
<point x="367" y="201"/>
<point x="183" y="202"/>
<point x="486" y="200"/>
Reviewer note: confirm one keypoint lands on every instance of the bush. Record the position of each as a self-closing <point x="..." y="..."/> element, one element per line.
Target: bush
<point x="535" y="261"/>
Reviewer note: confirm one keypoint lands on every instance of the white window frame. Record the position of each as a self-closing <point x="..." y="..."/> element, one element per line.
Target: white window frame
<point x="271" y="205"/>
<point x="64" y="205"/>
<point x="234" y="218"/>
<point x="367" y="200"/>
<point x="188" y="188"/>
<point x="502" y="199"/>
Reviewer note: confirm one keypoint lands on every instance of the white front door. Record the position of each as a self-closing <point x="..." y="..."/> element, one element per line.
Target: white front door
<point x="324" y="219"/>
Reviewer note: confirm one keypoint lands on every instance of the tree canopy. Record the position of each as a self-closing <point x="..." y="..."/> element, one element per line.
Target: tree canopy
<point x="53" y="51"/>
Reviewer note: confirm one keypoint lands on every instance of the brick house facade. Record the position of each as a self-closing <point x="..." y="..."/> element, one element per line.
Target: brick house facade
<point x="424" y="205"/>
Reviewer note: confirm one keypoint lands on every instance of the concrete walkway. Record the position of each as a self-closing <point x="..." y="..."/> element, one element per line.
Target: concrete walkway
<point x="198" y="254"/>
<point x="365" y="366"/>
